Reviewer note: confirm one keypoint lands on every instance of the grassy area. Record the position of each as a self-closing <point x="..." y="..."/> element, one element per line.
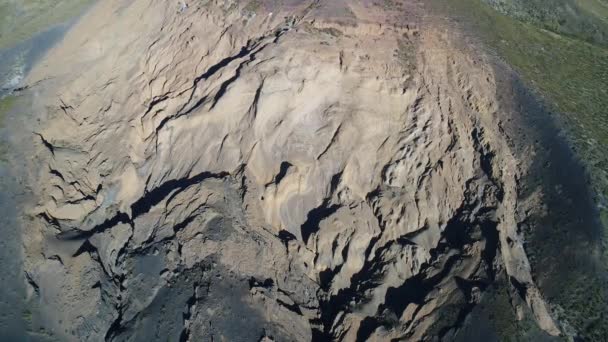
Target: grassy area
<point x="22" y="19"/>
<point x="252" y="6"/>
<point x="581" y="19"/>
<point x="6" y="104"/>
<point x="568" y="70"/>
<point x="496" y="306"/>
<point x="561" y="50"/>
<point x="571" y="73"/>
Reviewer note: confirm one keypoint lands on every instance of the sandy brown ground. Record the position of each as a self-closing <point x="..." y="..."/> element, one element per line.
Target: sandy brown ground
<point x="302" y="171"/>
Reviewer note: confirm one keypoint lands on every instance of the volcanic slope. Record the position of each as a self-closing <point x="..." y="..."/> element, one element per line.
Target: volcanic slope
<point x="245" y="171"/>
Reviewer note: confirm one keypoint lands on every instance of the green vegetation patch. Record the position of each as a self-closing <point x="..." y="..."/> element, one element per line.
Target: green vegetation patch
<point x="582" y="19"/>
<point x="252" y="6"/>
<point x="406" y="53"/>
<point x="560" y="50"/>
<point x="332" y="31"/>
<point x="570" y="72"/>
<point x="23" y="19"/>
<point x="496" y="305"/>
<point x="6" y="105"/>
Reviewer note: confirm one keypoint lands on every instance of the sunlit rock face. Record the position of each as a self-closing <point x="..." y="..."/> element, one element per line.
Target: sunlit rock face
<point x="294" y="170"/>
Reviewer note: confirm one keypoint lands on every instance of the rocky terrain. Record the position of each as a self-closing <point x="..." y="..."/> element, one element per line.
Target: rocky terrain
<point x="274" y="170"/>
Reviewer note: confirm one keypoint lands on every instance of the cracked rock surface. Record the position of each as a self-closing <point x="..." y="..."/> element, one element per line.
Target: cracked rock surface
<point x="254" y="171"/>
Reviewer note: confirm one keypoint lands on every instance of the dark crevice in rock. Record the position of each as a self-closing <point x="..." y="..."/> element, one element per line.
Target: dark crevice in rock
<point x="266" y="283"/>
<point x="490" y="233"/>
<point x="251" y="48"/>
<point x="521" y="289"/>
<point x="155" y="101"/>
<point x="190" y="303"/>
<point x="315" y="217"/>
<point x="155" y="196"/>
<point x="116" y="328"/>
<point x="56" y="173"/>
<point x="46" y="144"/>
<point x="413" y="290"/>
<point x="83" y="199"/>
<point x="291" y="307"/>
<point x="77" y="234"/>
<point x="56" y="258"/>
<point x="335" y="182"/>
<point x="331" y="142"/>
<point x="253" y="109"/>
<point x="245" y="50"/>
<point x="282" y="172"/>
<point x="319" y="335"/>
<point x="32" y="283"/>
<point x="86" y="247"/>
<point x="50" y="220"/>
<point x="182" y="224"/>
<point x="224" y="86"/>
<point x="367" y="328"/>
<point x="286" y="236"/>
<point x="326" y="277"/>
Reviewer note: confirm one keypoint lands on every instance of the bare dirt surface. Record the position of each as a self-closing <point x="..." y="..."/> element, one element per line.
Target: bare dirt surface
<point x="15" y="133"/>
<point x="254" y="171"/>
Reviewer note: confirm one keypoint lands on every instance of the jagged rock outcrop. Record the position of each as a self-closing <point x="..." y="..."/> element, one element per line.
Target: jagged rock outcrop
<point x="253" y="170"/>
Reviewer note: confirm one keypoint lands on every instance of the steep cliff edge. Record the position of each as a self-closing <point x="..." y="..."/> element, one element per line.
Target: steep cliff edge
<point x="250" y="171"/>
